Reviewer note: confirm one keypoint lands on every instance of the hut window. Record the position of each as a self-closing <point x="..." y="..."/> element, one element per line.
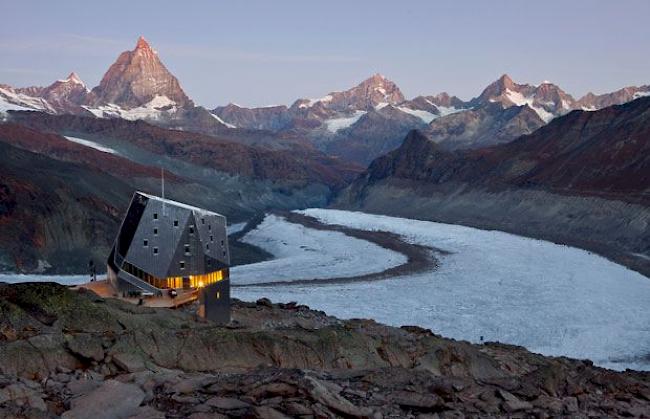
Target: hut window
<point x="221" y="242"/>
<point x="207" y="246"/>
<point x="182" y="265"/>
<point x="218" y="295"/>
<point x="155" y="231"/>
<point x="155" y="250"/>
<point x="211" y="238"/>
<point x="187" y="249"/>
<point x="224" y="253"/>
<point x="191" y="229"/>
<point x="145" y="242"/>
<point x="155" y="215"/>
<point x="175" y="223"/>
<point x="209" y="227"/>
<point x="202" y="220"/>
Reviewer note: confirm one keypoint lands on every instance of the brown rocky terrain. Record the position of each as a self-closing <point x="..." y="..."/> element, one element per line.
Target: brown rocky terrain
<point x="300" y="164"/>
<point x="74" y="355"/>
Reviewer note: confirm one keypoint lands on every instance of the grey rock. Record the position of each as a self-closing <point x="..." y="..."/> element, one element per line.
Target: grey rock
<point x="112" y="400"/>
<point x="129" y="362"/>
<point x="226" y="403"/>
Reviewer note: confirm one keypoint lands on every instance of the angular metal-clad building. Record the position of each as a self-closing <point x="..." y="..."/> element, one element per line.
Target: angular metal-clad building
<point x="164" y="244"/>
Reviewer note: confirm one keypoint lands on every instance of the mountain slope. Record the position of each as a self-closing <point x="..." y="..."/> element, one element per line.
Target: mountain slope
<point x="64" y="197"/>
<point x="583" y="179"/>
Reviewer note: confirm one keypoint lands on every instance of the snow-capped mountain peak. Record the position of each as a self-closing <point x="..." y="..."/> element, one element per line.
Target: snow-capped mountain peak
<point x="135" y="79"/>
<point x="142" y="44"/>
<point x="73" y="78"/>
<point x="546" y="99"/>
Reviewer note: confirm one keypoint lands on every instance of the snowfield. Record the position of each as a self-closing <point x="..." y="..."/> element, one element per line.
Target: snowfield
<point x="91" y="144"/>
<point x="336" y="124"/>
<point x="552" y="299"/>
<point x="303" y="253"/>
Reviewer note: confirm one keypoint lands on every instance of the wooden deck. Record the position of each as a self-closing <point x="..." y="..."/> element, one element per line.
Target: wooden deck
<point x="104" y="289"/>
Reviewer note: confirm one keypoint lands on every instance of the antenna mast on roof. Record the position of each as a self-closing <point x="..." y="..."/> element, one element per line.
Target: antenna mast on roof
<point x="162" y="178"/>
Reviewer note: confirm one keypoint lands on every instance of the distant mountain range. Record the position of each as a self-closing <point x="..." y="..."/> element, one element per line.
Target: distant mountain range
<point x="358" y="124"/>
<point x="525" y="158"/>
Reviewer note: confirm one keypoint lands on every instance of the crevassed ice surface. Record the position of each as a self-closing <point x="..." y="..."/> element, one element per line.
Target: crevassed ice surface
<point x="304" y="253"/>
<point x="552" y="299"/>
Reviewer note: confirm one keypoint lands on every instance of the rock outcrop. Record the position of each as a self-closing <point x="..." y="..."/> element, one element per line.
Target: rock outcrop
<point x="73" y="354"/>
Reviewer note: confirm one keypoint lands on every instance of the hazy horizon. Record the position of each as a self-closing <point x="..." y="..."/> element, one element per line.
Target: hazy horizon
<point x="263" y="53"/>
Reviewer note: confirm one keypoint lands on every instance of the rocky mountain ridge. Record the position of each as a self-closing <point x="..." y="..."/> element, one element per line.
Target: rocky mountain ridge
<point x="504" y="111"/>
<point x="71" y="354"/>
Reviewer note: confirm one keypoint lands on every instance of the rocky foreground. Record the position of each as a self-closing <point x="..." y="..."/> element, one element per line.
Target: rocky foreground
<point x="74" y="355"/>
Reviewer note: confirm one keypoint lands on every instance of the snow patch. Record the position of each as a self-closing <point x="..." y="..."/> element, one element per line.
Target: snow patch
<point x="215" y="116"/>
<point x="335" y="124"/>
<point x="92" y="144"/>
<point x="235" y="228"/>
<point x="24" y="101"/>
<point x="151" y="110"/>
<point x="423" y="115"/>
<point x="312" y="102"/>
<point x="521" y="100"/>
<point x="641" y="94"/>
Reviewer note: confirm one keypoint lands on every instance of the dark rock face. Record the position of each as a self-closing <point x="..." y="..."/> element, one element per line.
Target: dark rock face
<point x="272" y="118"/>
<point x="374" y="134"/>
<point x="274" y="361"/>
<point x="583" y="179"/>
<point x="484" y="126"/>
<point x="135" y="79"/>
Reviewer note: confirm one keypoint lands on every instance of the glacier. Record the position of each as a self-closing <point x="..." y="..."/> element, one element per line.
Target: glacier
<point x="490" y="286"/>
<point x="493" y="286"/>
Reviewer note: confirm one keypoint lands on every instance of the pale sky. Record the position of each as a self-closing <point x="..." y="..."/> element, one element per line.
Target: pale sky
<point x="258" y="53"/>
